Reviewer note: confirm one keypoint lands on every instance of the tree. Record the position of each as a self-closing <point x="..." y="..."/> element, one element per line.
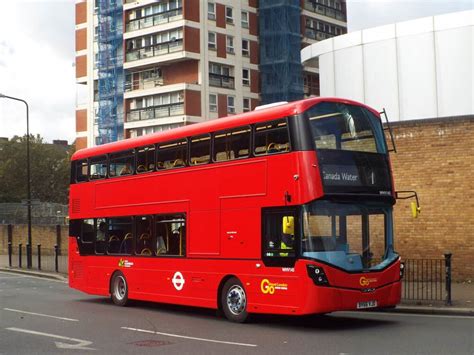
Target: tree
<point x="50" y="168"/>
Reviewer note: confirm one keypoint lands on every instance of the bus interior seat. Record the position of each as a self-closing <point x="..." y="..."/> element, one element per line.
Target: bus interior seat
<point x="126" y="245"/>
<point x="160" y="246"/>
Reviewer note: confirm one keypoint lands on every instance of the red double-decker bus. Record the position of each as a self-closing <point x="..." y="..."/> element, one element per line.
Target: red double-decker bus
<point x="283" y="210"/>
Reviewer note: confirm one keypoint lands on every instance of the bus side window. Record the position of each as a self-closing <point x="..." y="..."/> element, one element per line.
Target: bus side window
<point x="145" y="159"/>
<point x="271" y="137"/>
<point x="172" y="154"/>
<point x="145" y="243"/>
<point x="122" y="163"/>
<point x="171" y="235"/>
<point x="101" y="235"/>
<point x="279" y="237"/>
<point x="98" y="167"/>
<point x="81" y="170"/>
<point x="120" y="236"/>
<point x="230" y="145"/>
<point x="200" y="149"/>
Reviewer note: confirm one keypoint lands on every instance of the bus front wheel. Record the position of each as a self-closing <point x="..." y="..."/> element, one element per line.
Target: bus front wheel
<point x="119" y="289"/>
<point x="234" y="301"/>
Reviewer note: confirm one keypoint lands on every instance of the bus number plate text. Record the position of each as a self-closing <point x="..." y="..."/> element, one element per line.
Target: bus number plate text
<point x="368" y="304"/>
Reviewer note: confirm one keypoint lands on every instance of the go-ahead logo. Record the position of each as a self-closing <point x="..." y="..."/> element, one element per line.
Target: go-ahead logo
<point x="364" y="281"/>
<point x="268" y="287"/>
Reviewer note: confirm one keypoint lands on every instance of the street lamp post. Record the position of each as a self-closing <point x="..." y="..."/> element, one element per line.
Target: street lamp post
<point x="28" y="182"/>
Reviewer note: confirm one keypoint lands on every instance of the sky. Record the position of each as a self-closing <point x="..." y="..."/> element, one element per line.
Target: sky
<point x="37" y="56"/>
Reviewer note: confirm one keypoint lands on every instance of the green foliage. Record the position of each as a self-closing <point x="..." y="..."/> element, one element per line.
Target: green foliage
<point x="50" y="169"/>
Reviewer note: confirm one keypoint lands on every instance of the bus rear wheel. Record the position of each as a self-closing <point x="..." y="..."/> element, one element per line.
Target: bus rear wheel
<point x="119" y="289"/>
<point x="234" y="301"/>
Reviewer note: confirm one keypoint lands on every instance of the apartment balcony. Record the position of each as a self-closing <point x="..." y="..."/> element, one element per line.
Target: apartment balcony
<point x="222" y="81"/>
<point x="155" y="20"/>
<point x="324" y="10"/>
<point x="155" y="50"/>
<point x="317" y="35"/>
<point x="153" y="112"/>
<point x="143" y="84"/>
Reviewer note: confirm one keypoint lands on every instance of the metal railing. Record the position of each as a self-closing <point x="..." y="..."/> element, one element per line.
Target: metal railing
<point x="45" y="259"/>
<point x="314" y="6"/>
<point x="156" y="112"/>
<point x="155" y="19"/>
<point x="223" y="81"/>
<point x="141" y="84"/>
<point x="155" y="50"/>
<point x="427" y="279"/>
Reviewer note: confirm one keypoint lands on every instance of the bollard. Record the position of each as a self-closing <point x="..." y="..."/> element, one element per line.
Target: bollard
<point x="28" y="255"/>
<point x="39" y="256"/>
<point x="56" y="253"/>
<point x="19" y="255"/>
<point x="10" y="252"/>
<point x="447" y="265"/>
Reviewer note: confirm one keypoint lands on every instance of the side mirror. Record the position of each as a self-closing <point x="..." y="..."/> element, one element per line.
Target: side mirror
<point x="415" y="209"/>
<point x="415" y="205"/>
<point x="288" y="225"/>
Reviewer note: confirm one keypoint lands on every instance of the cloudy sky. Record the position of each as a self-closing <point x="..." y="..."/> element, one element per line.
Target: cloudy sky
<point x="37" y="56"/>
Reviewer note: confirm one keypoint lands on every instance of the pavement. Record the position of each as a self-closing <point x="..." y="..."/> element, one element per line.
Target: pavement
<point x="462" y="296"/>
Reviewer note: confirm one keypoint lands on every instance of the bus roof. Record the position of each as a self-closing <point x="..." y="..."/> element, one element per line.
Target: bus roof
<point x="292" y="108"/>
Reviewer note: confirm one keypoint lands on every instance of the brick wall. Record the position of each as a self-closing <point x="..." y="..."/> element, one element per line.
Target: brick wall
<point x="436" y="158"/>
<point x="44" y="235"/>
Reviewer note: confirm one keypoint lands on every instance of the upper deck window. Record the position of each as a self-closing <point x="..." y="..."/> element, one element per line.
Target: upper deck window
<point x="230" y="145"/>
<point x="172" y="154"/>
<point x="339" y="126"/>
<point x="98" y="167"/>
<point x="122" y="163"/>
<point x="271" y="137"/>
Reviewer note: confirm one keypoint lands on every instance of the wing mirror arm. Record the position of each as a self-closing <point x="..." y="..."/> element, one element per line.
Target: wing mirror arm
<point x="415" y="206"/>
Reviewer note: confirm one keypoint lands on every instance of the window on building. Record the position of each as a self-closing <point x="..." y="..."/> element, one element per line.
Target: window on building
<point x="145" y="159"/>
<point x="213" y="102"/>
<point x="230" y="44"/>
<point x="172" y="155"/>
<point x="211" y="11"/>
<point x="245" y="47"/>
<point x="211" y="40"/>
<point x="246" y="77"/>
<point x="230" y="104"/>
<point x="122" y="163"/>
<point x="271" y="137"/>
<point x="246" y="104"/>
<point x="229" y="145"/>
<point x="200" y="149"/>
<point x="245" y="19"/>
<point x="229" y="14"/>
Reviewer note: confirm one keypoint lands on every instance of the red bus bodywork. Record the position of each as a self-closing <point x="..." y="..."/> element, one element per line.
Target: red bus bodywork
<point x="218" y="198"/>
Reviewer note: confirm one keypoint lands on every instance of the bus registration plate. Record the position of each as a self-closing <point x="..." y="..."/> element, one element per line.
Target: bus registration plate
<point x="368" y="304"/>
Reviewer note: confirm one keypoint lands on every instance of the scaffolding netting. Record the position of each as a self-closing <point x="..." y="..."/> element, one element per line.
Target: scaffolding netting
<point x="110" y="71"/>
<point x="280" y="45"/>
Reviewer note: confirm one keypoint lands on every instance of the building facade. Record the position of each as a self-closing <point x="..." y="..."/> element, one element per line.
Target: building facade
<point x="143" y="66"/>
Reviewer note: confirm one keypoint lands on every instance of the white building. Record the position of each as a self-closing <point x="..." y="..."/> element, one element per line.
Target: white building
<point x="415" y="69"/>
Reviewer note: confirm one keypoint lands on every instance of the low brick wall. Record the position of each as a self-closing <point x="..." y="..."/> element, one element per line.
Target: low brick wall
<point x="44" y="235"/>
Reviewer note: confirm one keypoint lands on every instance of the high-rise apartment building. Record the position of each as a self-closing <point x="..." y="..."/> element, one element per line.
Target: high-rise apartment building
<point x="144" y="66"/>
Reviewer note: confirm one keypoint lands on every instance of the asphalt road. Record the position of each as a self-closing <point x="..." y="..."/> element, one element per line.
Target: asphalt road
<point x="42" y="316"/>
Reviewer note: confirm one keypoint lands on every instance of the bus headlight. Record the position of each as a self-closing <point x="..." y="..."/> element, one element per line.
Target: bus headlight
<point x="317" y="274"/>
<point x="402" y="270"/>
